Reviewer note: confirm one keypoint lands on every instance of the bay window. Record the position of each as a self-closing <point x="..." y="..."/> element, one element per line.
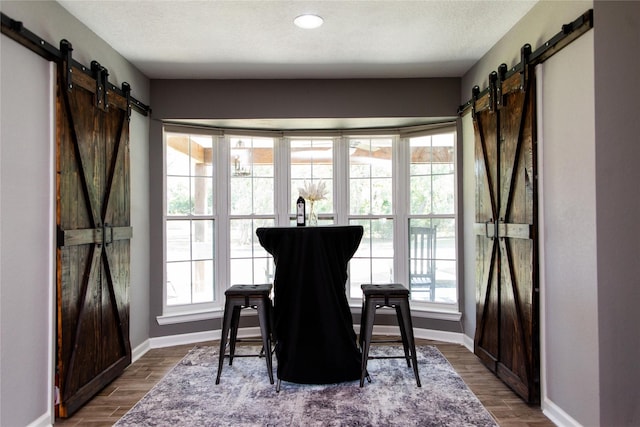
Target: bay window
<point x="222" y="185"/>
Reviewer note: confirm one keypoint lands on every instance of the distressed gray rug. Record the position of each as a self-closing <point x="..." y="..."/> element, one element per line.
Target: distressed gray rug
<point x="188" y="396"/>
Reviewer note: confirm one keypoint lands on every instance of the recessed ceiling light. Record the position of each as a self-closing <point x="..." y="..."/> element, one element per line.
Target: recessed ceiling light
<point x="308" y="21"/>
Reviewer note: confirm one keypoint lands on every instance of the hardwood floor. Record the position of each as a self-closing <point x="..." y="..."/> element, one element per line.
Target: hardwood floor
<point x="120" y="396"/>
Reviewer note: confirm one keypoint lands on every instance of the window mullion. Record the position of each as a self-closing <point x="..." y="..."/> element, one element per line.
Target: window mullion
<point x="402" y="158"/>
<point x="282" y="166"/>
<point x="341" y="180"/>
<point x="223" y="238"/>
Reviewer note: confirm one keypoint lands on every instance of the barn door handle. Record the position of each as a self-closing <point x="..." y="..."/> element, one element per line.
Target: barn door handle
<point x="107" y="234"/>
<point x="486" y="228"/>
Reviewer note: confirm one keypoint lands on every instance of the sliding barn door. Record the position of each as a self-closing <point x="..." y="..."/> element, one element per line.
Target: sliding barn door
<point x="506" y="337"/>
<point x="93" y="222"/>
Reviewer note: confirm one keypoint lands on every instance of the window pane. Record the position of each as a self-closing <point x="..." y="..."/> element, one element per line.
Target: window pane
<point x="359" y="273"/>
<point x="443" y="194"/>
<point x="263" y="196"/>
<point x="373" y="260"/>
<point x="381" y="196"/>
<point x="252" y="176"/>
<point x="359" y="170"/>
<point x="241" y="271"/>
<point x="189" y="282"/>
<point x="178" y="200"/>
<point x="360" y="196"/>
<point x="323" y="171"/>
<point x="178" y="160"/>
<point x="241" y="233"/>
<point x="178" y="240"/>
<point x="432" y="260"/>
<point x="370" y="179"/>
<point x="432" y="179"/>
<point x="202" y="239"/>
<point x="420" y="195"/>
<point x="202" y="196"/>
<point x="382" y="270"/>
<point x="446" y="288"/>
<point x="201" y="155"/>
<point x="250" y="262"/>
<point x="189" y="156"/>
<point x="241" y="196"/>
<point x="189" y="196"/>
<point x="264" y="270"/>
<point x="446" y="238"/>
<point x="202" y="280"/>
<point x="178" y="283"/>
<point x="258" y="250"/>
<point x="311" y="163"/>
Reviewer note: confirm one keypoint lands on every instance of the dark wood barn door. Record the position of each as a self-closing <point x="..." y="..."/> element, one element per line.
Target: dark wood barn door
<point x="93" y="221"/>
<point x="506" y="337"/>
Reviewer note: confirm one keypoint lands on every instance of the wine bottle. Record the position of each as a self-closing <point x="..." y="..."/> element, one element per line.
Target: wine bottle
<point x="300" y="212"/>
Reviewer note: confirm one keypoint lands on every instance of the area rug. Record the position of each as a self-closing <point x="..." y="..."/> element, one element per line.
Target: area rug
<point x="188" y="396"/>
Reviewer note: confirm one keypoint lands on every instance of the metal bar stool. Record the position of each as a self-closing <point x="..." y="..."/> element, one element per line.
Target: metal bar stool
<point x="239" y="297"/>
<point x="392" y="295"/>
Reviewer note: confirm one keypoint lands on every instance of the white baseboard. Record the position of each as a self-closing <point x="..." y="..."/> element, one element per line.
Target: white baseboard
<point x="557" y="415"/>
<point x="192" y="338"/>
<point x="468" y="342"/>
<point x="198" y="337"/>
<point x="140" y="350"/>
<point x="426" y="334"/>
<point x="43" y="421"/>
<point x="432" y="334"/>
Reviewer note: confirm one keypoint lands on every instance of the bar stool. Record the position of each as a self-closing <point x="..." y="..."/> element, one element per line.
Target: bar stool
<point x="239" y="297"/>
<point x="392" y="295"/>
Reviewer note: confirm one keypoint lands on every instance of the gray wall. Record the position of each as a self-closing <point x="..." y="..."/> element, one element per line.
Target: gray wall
<point x="590" y="236"/>
<point x="26" y="228"/>
<point x="617" y="68"/>
<point x="26" y="223"/>
<point x="569" y="281"/>
<point x="274" y="99"/>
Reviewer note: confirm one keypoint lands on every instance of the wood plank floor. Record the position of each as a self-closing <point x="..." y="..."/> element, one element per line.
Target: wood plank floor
<point x="120" y="396"/>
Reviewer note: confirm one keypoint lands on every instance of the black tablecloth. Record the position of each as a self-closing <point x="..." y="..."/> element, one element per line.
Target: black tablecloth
<point x="316" y="343"/>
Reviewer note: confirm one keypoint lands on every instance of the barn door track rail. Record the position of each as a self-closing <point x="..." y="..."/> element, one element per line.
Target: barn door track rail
<point x="569" y="33"/>
<point x="16" y="31"/>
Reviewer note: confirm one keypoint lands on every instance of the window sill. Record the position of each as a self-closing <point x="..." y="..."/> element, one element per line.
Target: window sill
<point x="189" y="316"/>
<point x="216" y="313"/>
<point x="435" y="313"/>
<point x="450" y="315"/>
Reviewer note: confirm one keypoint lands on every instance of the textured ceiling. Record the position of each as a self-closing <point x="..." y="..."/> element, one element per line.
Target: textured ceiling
<point x="257" y="39"/>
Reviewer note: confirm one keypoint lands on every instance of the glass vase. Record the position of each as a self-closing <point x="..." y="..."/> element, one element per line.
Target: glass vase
<point x="313" y="216"/>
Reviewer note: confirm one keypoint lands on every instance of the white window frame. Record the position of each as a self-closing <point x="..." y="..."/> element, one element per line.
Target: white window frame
<point x="404" y="174"/>
<point x="225" y="215"/>
<point x="282" y="166"/>
<point x="196" y="311"/>
<point x="354" y="300"/>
